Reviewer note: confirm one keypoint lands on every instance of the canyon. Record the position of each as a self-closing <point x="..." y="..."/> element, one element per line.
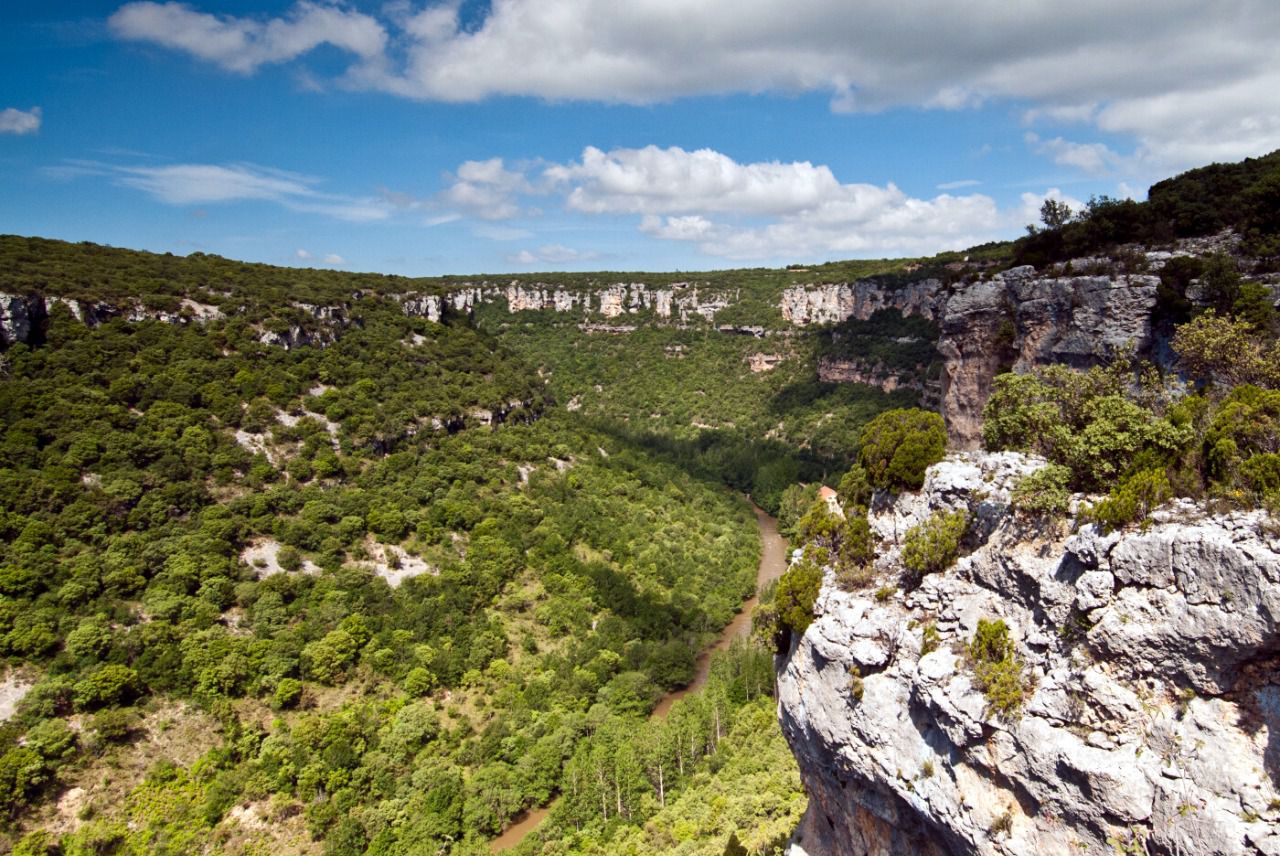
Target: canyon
<point x="1016" y="319"/>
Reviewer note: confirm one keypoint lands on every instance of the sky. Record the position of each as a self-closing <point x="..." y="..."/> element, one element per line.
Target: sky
<point x="513" y="136"/>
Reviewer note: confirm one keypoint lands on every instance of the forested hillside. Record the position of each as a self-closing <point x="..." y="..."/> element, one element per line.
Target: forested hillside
<point x="381" y="595"/>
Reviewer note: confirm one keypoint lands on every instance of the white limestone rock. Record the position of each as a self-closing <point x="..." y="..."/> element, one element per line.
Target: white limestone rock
<point x="1149" y="710"/>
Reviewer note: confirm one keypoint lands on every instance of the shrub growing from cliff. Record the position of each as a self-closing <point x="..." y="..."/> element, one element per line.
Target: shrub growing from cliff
<point x="1132" y="500"/>
<point x="855" y="488"/>
<point x="898" y="446"/>
<point x="1227" y="351"/>
<point x="796" y="594"/>
<point x="1087" y="421"/>
<point x="997" y="669"/>
<point x="1043" y="493"/>
<point x="933" y="546"/>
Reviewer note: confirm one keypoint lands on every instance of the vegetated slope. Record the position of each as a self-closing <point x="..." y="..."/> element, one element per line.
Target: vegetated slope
<point x="401" y="619"/>
<point x="1243" y="197"/>
<point x="749" y="411"/>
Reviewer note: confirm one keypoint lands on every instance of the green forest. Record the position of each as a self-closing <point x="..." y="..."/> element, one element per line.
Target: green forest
<point x="390" y="594"/>
<point x="382" y="596"/>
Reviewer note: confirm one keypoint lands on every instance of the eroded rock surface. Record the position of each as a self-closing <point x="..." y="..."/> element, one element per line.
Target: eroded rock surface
<point x="1152" y="710"/>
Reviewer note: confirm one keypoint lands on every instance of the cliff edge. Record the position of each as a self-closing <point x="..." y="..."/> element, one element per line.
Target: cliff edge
<point x="1150" y="721"/>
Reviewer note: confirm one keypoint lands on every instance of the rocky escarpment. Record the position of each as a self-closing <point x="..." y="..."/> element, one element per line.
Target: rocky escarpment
<point x="805" y="305"/>
<point x="883" y="377"/>
<point x="1016" y="319"/>
<point x="681" y="301"/>
<point x="1152" y="712"/>
<point x="1020" y="319"/>
<point x="25" y="317"/>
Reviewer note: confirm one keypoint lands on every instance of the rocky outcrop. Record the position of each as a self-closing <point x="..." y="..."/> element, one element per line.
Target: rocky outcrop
<point x="420" y="305"/>
<point x="805" y="305"/>
<point x="1151" y="718"/>
<point x="1016" y="319"/>
<point x="21" y="318"/>
<point x="680" y="301"/>
<point x="1020" y="319"/>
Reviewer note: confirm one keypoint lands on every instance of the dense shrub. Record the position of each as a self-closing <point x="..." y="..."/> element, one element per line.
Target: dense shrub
<point x="898" y="446"/>
<point x="997" y="669"/>
<point x="796" y="594"/>
<point x="1086" y="421"/>
<point x="1198" y="202"/>
<point x="116" y="724"/>
<point x="1043" y="493"/>
<point x="1132" y="500"/>
<point x="857" y="541"/>
<point x="933" y="546"/>
<point x="1243" y="439"/>
<point x="1227" y="351"/>
<point x="855" y="488"/>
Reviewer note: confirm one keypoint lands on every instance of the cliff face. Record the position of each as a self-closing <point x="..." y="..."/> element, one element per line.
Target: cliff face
<point x="1152" y="717"/>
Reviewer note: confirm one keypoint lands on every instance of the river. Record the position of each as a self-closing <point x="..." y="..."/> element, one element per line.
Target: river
<point x="773" y="561"/>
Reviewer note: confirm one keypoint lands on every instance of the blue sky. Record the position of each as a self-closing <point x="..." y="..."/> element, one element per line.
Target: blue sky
<point x="525" y="135"/>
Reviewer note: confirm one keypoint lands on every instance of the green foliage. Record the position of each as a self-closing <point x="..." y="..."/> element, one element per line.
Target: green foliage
<point x="116" y="724"/>
<point x="797" y="592"/>
<point x="933" y="546"/>
<point x="22" y="770"/>
<point x="929" y="638"/>
<point x="109" y="684"/>
<point x="53" y="739"/>
<point x="573" y="569"/>
<point x="1132" y="500"/>
<point x="288" y="693"/>
<point x="1228" y="351"/>
<point x="855" y="488"/>
<point x="997" y="668"/>
<point x="793" y="504"/>
<point x="898" y="446"/>
<point x="1086" y="421"/>
<point x="1043" y="493"/>
<point x="1202" y="201"/>
<point x="857" y="547"/>
<point x="1243" y="439"/>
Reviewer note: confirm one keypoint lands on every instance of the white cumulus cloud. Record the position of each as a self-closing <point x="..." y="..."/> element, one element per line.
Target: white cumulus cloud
<point x="243" y="44"/>
<point x="15" y="121"/>
<point x="759" y="210"/>
<point x="1188" y="80"/>
<point x="1092" y="158"/>
<point x="656" y="181"/>
<point x="486" y="189"/>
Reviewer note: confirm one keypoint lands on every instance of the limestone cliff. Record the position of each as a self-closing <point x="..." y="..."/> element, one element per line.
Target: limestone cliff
<point x="1152" y="717"/>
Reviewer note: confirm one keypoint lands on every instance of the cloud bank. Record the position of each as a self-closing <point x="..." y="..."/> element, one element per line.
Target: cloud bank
<point x="740" y="211"/>
<point x="1190" y="80"/>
